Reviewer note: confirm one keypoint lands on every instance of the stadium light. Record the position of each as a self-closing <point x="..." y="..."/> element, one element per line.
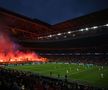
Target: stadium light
<point x="59" y="34"/>
<point x="95" y="27"/>
<point x="86" y="29"/>
<point x="69" y="32"/>
<point x="106" y="25"/>
<point x="50" y="36"/>
<point x="81" y="30"/>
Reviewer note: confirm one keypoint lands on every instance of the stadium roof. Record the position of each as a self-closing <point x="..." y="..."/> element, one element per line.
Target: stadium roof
<point x="22" y="16"/>
<point x="96" y="18"/>
<point x="22" y="27"/>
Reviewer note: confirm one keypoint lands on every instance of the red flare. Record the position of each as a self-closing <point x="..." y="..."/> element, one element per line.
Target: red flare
<point x="9" y="53"/>
<point x="20" y="57"/>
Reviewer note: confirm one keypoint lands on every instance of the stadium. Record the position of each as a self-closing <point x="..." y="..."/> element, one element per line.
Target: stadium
<point x="71" y="55"/>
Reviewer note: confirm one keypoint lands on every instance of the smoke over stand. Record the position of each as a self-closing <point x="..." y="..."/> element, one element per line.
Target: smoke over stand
<point x="10" y="53"/>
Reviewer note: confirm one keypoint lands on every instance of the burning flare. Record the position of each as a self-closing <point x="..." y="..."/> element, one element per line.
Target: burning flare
<point x="9" y="52"/>
<point x="20" y="57"/>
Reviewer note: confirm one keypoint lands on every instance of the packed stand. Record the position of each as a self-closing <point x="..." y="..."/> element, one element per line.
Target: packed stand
<point x="86" y="59"/>
<point x="20" y="80"/>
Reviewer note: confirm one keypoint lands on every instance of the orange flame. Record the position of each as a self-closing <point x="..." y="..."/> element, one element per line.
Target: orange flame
<point x="20" y="57"/>
<point x="10" y="54"/>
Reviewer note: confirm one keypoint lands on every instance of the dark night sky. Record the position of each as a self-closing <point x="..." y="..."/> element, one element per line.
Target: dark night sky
<point x="54" y="11"/>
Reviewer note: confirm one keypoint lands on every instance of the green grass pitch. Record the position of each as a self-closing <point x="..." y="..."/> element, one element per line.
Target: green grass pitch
<point x="91" y="75"/>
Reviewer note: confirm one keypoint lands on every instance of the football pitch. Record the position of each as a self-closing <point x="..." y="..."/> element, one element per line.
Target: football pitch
<point x="90" y="74"/>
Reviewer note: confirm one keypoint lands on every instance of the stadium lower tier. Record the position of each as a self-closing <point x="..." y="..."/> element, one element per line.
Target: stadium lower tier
<point x="86" y="59"/>
<point x="60" y="73"/>
<point x="13" y="79"/>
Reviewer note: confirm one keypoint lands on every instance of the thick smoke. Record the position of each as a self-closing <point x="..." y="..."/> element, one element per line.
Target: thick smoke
<point x="5" y="43"/>
<point x="10" y="53"/>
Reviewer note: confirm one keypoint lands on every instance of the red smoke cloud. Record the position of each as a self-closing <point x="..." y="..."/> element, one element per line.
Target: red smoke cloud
<point x="10" y="54"/>
<point x="5" y="43"/>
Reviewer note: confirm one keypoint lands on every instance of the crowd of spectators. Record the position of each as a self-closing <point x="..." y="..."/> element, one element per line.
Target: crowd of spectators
<point x="86" y="59"/>
<point x="20" y="80"/>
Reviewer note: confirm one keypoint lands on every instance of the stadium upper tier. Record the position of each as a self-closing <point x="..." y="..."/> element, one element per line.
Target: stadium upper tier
<point x="24" y="28"/>
<point x="90" y="29"/>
